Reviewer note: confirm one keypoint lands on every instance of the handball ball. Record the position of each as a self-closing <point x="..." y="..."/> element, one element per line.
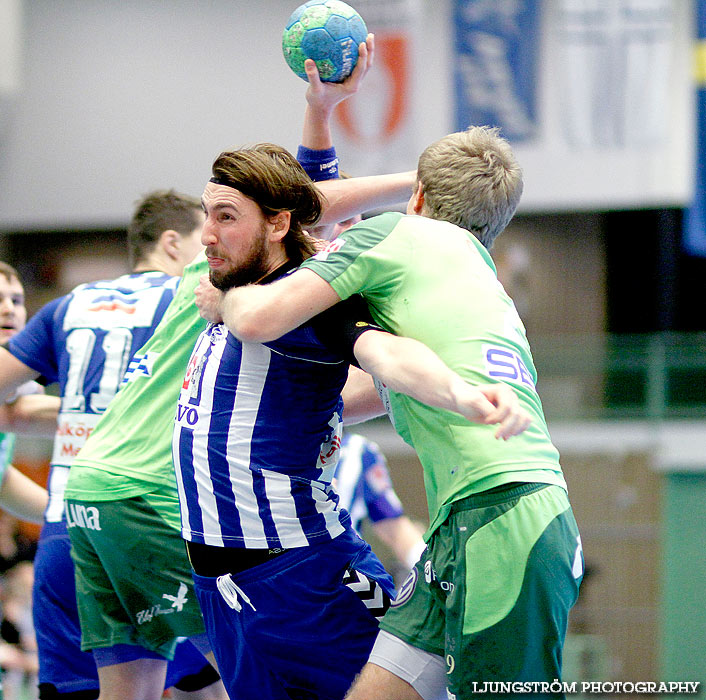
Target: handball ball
<point x="328" y="31"/>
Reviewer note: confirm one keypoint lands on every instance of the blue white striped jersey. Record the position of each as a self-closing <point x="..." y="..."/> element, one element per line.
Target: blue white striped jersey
<point x="363" y="482"/>
<point x="84" y="341"/>
<point x="256" y="441"/>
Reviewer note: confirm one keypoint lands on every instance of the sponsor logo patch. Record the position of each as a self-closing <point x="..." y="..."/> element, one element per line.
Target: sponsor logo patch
<point x="501" y="363"/>
<point x="112" y="306"/>
<point x="178" y="602"/>
<point x="333" y="247"/>
<point x="369" y="591"/>
<point x="78" y="515"/>
<point x="406" y="589"/>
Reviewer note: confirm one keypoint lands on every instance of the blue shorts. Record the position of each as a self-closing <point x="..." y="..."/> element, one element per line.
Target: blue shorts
<point x="61" y="661"/>
<point x="305" y="624"/>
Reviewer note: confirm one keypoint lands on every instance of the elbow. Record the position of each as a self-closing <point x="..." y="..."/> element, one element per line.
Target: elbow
<point x="247" y="316"/>
<point x="247" y="332"/>
<point x="10" y="421"/>
<point x="249" y="328"/>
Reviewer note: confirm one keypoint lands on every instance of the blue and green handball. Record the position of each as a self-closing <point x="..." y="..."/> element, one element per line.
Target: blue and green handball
<point x="329" y="32"/>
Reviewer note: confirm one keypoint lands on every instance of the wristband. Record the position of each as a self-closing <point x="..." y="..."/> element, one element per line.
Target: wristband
<point x="319" y="165"/>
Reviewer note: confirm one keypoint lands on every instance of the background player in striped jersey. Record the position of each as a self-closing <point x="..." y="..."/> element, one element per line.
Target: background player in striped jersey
<point x="84" y="341"/>
<point x="365" y="490"/>
<point x="491" y="595"/>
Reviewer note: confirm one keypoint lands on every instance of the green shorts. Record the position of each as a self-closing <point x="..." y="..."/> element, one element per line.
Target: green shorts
<point x="133" y="577"/>
<point x="493" y="590"/>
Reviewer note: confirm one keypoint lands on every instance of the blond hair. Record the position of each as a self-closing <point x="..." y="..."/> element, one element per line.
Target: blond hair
<point x="471" y="179"/>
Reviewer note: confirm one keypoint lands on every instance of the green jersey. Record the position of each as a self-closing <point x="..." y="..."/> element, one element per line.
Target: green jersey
<point x="435" y="282"/>
<point x="129" y="452"/>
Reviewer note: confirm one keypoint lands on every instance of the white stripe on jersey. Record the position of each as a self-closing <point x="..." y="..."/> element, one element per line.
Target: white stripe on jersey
<point x="204" y="485"/>
<point x="176" y="457"/>
<point x="242" y="424"/>
<point x="331" y="517"/>
<point x="279" y="492"/>
<point x="183" y="505"/>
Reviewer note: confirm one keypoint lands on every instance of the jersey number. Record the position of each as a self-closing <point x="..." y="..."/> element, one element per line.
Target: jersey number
<point x="80" y="344"/>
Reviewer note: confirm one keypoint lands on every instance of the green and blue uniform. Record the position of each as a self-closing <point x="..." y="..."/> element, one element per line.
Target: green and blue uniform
<point x="435" y="282"/>
<point x="124" y="473"/>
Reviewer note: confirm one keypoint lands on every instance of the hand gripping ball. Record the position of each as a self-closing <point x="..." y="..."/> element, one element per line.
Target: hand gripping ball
<point x="329" y="32"/>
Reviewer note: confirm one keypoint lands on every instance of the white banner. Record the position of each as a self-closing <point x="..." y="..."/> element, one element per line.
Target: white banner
<point x="615" y="69"/>
<point x="616" y="121"/>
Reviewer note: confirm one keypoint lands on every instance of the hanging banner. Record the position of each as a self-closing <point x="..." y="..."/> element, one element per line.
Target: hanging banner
<point x="374" y="130"/>
<point x="614" y="71"/>
<point x="694" y="237"/>
<point x="615" y="111"/>
<point x="495" y="65"/>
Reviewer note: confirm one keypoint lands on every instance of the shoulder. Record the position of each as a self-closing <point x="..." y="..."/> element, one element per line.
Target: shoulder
<point x="375" y="229"/>
<point x="51" y="313"/>
<point x="360" y="237"/>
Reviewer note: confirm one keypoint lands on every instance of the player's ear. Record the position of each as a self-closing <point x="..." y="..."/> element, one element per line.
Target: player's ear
<point x="170" y="243"/>
<point x="416" y="203"/>
<point x="280" y="223"/>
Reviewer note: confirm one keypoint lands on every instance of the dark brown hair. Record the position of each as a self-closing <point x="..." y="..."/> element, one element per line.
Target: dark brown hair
<point x="273" y="178"/>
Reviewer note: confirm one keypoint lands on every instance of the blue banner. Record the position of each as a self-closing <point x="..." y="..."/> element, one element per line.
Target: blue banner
<point x="495" y="65"/>
<point x="694" y="237"/>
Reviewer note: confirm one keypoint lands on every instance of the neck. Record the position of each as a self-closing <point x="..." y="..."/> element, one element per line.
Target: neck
<point x="145" y="267"/>
<point x="156" y="263"/>
<point x="271" y="270"/>
<point x="277" y="260"/>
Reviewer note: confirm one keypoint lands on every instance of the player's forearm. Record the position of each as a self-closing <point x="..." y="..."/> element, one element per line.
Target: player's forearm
<point x="316" y="132"/>
<point x="407" y="366"/>
<point x="241" y="309"/>
<point x="260" y="313"/>
<point x="34" y="414"/>
<point x="356" y="195"/>
<point x="13" y="374"/>
<point x="22" y="497"/>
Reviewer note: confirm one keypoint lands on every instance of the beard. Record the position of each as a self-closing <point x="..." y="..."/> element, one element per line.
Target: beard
<point x="252" y="269"/>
